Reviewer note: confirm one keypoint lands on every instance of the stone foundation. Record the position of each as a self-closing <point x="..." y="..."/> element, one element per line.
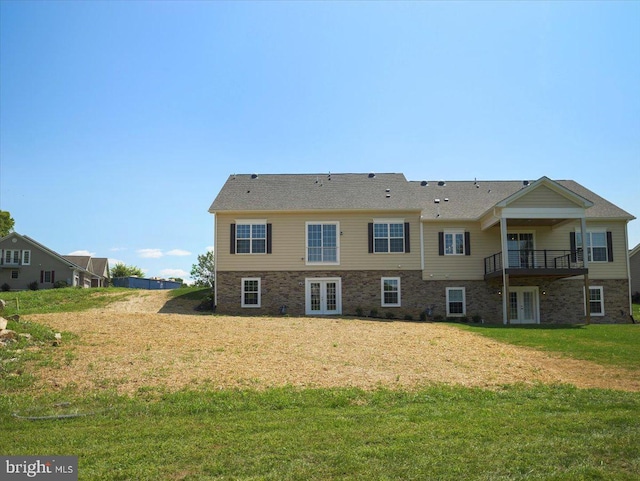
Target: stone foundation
<point x="561" y="301"/>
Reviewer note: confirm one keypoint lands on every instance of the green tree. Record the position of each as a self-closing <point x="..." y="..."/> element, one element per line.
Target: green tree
<point x="123" y="270"/>
<point x="6" y="223"/>
<point x="203" y="273"/>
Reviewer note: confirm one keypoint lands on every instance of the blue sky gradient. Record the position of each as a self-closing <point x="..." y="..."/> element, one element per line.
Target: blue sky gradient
<point x="120" y="121"/>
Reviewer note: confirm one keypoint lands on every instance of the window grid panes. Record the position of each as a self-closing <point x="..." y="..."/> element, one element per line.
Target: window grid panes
<point x="455" y="301"/>
<point x="251" y="238"/>
<point x="390" y="291"/>
<point x="596" y="301"/>
<point x="596" y="246"/>
<point x="322" y="243"/>
<point x="251" y="293"/>
<point x="388" y="237"/>
<point x="453" y="243"/>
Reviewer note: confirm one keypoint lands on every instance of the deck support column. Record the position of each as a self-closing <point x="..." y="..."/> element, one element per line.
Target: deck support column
<point x="585" y="260"/>
<point x="505" y="276"/>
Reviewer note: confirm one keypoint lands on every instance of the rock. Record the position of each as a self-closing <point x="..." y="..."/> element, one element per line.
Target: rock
<point x="58" y="339"/>
<point x="3" y="323"/>
<point x="2" y="304"/>
<point x="8" y="334"/>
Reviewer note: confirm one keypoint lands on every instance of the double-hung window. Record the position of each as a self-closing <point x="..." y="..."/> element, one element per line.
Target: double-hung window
<point x="390" y="287"/>
<point x="26" y="257"/>
<point x="388" y="237"/>
<point x="251" y="296"/>
<point x="12" y="257"/>
<point x="323" y="246"/>
<point x="596" y="301"/>
<point x="456" y="305"/>
<point x="250" y="237"/>
<point x="597" y="245"/>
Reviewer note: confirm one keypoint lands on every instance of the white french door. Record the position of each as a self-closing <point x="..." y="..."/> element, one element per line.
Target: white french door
<point x="523" y="305"/>
<point x="323" y="296"/>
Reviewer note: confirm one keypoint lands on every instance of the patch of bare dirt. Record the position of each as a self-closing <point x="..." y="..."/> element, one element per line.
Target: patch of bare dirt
<point x="149" y="340"/>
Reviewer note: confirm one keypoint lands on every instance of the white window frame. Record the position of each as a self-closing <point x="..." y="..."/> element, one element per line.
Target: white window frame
<point x="251" y="223"/>
<point x="601" y="301"/>
<point x="244" y="291"/>
<point x="306" y="243"/>
<point x="453" y="233"/>
<point x="590" y="245"/>
<point x="464" y="302"/>
<point x="398" y="291"/>
<point x="26" y="257"/>
<point x="12" y="257"/>
<point x="388" y="237"/>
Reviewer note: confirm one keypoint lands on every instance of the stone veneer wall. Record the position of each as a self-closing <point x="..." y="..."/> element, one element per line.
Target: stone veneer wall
<point x="562" y="301"/>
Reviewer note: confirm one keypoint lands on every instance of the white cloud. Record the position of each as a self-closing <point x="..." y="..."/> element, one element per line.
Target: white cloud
<point x="82" y="253"/>
<point x="178" y="252"/>
<point x="210" y="248"/>
<point x="173" y="273"/>
<point x="118" y="249"/>
<point x="150" y="253"/>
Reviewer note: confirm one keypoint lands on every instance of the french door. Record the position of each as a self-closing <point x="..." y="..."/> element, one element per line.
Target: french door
<point x="323" y="296"/>
<point x="523" y="305"/>
<point x="520" y="247"/>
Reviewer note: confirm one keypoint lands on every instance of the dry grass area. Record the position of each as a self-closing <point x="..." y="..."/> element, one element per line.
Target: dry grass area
<point x="151" y="341"/>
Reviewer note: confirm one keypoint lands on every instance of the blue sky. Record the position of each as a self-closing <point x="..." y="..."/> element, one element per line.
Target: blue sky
<point x="120" y="121"/>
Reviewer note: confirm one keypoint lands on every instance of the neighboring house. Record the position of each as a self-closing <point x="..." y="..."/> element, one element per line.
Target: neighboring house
<point x="24" y="261"/>
<point x="503" y="251"/>
<point x="634" y="266"/>
<point x="97" y="269"/>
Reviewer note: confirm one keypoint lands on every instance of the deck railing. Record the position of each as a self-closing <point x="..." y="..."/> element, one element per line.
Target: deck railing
<point x="535" y="259"/>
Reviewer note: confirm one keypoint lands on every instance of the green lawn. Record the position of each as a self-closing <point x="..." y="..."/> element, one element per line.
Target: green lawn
<point x="439" y="432"/>
<point x="442" y="433"/>
<point x="609" y="344"/>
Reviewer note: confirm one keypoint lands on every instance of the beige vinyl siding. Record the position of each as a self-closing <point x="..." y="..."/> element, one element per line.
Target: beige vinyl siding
<point x="289" y="248"/>
<point x="634" y="264"/>
<point x="460" y="267"/>
<point x="542" y="197"/>
<point x="487" y="243"/>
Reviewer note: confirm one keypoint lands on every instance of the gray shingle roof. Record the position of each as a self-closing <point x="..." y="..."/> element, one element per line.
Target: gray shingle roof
<point x="466" y="199"/>
<point x="287" y="192"/>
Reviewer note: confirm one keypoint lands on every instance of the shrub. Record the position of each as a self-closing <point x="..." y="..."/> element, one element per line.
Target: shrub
<point x="408" y="317"/>
<point x="206" y="304"/>
<point x="477" y="318"/>
<point x="34" y="286"/>
<point x="438" y="318"/>
<point x="390" y="315"/>
<point x="463" y="319"/>
<point x="635" y="298"/>
<point x="60" y="284"/>
<point x="423" y="316"/>
<point x="359" y="311"/>
<point x="5" y="287"/>
<point x="373" y="312"/>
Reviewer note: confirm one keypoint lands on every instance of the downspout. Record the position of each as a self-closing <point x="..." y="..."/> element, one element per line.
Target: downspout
<point x="626" y="247"/>
<point x="422" y="245"/>
<point x="215" y="263"/>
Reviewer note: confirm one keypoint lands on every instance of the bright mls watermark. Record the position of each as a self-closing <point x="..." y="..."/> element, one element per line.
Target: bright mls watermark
<point x="50" y="468"/>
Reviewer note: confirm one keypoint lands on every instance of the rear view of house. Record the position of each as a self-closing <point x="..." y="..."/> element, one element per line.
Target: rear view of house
<point x="505" y="251"/>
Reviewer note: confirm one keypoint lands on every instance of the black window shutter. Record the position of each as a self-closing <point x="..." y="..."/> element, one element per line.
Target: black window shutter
<point x="467" y="244"/>
<point x="440" y="243"/>
<point x="53" y="276"/>
<point x="370" y="237"/>
<point x="233" y="239"/>
<point x="609" y="246"/>
<point x="269" y="232"/>
<point x="407" y="242"/>
<point x="572" y="246"/>
<point x="41" y="277"/>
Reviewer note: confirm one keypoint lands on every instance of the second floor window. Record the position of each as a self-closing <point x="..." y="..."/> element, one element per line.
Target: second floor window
<point x="322" y="243"/>
<point x="251" y="238"/>
<point x="388" y="237"/>
<point x="597" y="249"/>
<point x="453" y="243"/>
